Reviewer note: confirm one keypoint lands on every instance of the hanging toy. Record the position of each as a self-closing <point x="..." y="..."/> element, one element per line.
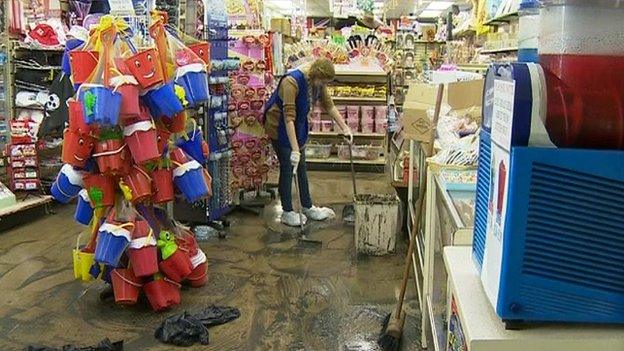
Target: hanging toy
<point x="175" y="264"/>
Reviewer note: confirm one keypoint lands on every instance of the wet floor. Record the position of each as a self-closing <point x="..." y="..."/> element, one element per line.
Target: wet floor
<point x="292" y="296"/>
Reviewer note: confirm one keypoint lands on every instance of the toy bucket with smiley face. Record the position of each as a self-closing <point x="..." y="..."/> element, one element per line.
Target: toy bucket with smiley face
<point x="141" y="138"/>
<point x="67" y="185"/>
<point x="189" y="179"/>
<point x="202" y="50"/>
<point x="162" y="184"/>
<point x="100" y="104"/>
<point x="84" y="210"/>
<point x="140" y="184"/>
<point x="82" y="64"/>
<point x="199" y="274"/>
<point x="101" y="189"/>
<point x="194" y="80"/>
<point x="113" y="239"/>
<point x="111" y="157"/>
<point x="77" y="148"/>
<point x="163" y="101"/>
<point x="145" y="67"/>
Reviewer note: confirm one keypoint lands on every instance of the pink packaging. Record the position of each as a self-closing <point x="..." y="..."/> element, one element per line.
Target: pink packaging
<point x="353" y="112"/>
<point x="343" y="111"/>
<point x="316" y="114"/>
<point x="327" y="126"/>
<point x="381" y="112"/>
<point x="316" y="126"/>
<point x="368" y="126"/>
<point x="381" y="126"/>
<point x="354" y="124"/>
<point x="368" y="113"/>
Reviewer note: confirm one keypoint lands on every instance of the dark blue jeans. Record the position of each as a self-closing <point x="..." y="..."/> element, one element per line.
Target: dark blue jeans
<point x="286" y="178"/>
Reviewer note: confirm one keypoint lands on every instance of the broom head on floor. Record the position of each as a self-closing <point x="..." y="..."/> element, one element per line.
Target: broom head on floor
<point x="391" y="331"/>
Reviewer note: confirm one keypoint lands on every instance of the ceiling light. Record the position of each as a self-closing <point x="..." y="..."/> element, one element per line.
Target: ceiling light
<point x="430" y="13"/>
<point x="439" y="5"/>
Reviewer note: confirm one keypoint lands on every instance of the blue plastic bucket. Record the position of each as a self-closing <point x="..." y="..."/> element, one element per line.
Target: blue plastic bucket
<point x="195" y="86"/>
<point x="189" y="178"/>
<point x="67" y="184"/>
<point x="111" y="243"/>
<point x="105" y="109"/>
<point x="193" y="146"/>
<point x="84" y="211"/>
<point x="163" y="101"/>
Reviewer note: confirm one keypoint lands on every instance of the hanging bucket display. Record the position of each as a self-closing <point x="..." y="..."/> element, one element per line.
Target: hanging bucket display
<point x="128" y="87"/>
<point x="202" y="50"/>
<point x="82" y="64"/>
<point x="83" y="261"/>
<point x="193" y="79"/>
<point x="162" y="293"/>
<point x="100" y="104"/>
<point x="162" y="140"/>
<point x="145" y="67"/>
<point x="76" y="117"/>
<point x="101" y="189"/>
<point x="189" y="178"/>
<point x="126" y="286"/>
<point x="84" y="210"/>
<point x="140" y="184"/>
<point x="163" y="101"/>
<point x="111" y="156"/>
<point x="177" y="266"/>
<point x="177" y="123"/>
<point x="188" y="243"/>
<point x="143" y="256"/>
<point x="113" y="239"/>
<point x="193" y="146"/>
<point x="162" y="185"/>
<point x="77" y="148"/>
<point x="141" y="138"/>
<point x="67" y="184"/>
<point x="199" y="274"/>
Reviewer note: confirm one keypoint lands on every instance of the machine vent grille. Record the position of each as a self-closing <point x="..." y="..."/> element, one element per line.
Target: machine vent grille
<point x="575" y="229"/>
<point x="481" y="203"/>
<point x="541" y="301"/>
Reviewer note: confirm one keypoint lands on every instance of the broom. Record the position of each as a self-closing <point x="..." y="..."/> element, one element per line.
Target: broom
<point x="392" y="329"/>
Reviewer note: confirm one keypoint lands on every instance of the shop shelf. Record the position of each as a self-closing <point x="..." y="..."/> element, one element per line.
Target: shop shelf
<point x="379" y="161"/>
<point x="505" y="18"/>
<point x="361" y="100"/>
<point x="501" y="50"/>
<point x="355" y="135"/>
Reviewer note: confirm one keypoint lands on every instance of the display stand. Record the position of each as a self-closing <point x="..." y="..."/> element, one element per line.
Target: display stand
<point x="474" y="326"/>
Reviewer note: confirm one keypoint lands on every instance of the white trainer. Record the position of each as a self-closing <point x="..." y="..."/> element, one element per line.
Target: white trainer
<point x="319" y="213"/>
<point x="291" y="219"/>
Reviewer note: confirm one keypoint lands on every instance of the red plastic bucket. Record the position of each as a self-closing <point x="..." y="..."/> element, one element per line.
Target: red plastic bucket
<point x="143" y="256"/>
<point x="177" y="266"/>
<point x="146" y="68"/>
<point x="199" y="276"/>
<point x="126" y="286"/>
<point x="82" y="64"/>
<point x="129" y="100"/>
<point x="162" y="140"/>
<point x="76" y="117"/>
<point x="141" y="229"/>
<point x="162" y="293"/>
<point x="141" y="138"/>
<point x="140" y="184"/>
<point x="178" y="155"/>
<point x="103" y="187"/>
<point x="188" y="243"/>
<point x="111" y="157"/>
<point x="202" y="50"/>
<point x="177" y="123"/>
<point x="77" y="148"/>
<point x="162" y="185"/>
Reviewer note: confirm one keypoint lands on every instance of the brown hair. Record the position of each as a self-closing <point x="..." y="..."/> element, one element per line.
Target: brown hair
<point x="322" y="69"/>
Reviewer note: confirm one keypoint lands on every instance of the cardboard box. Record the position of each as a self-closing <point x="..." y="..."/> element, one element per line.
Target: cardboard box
<point x="422" y="98"/>
<point x="281" y="25"/>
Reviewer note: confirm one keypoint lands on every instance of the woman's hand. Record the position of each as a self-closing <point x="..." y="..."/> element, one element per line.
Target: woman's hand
<point x="295" y="157"/>
<point x="348" y="135"/>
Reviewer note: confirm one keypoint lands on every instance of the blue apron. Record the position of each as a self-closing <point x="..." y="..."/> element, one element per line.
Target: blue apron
<point x="302" y="108"/>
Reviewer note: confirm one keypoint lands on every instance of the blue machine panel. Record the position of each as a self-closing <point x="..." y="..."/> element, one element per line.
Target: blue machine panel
<point x="481" y="201"/>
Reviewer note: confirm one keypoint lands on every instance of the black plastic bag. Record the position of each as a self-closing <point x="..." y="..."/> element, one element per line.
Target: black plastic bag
<point x="187" y="329"/>
<point x="104" y="345"/>
<point x="217" y="315"/>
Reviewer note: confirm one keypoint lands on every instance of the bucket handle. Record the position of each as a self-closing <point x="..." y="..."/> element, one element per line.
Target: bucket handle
<point x="198" y="278"/>
<point x="127" y="280"/>
<point x="172" y="282"/>
<point x="108" y="153"/>
<point x="142" y="172"/>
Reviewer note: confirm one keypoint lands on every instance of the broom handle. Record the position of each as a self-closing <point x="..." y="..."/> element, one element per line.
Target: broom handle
<point x="421" y="198"/>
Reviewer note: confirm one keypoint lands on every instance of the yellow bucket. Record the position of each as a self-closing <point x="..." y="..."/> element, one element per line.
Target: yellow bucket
<point x="82" y="262"/>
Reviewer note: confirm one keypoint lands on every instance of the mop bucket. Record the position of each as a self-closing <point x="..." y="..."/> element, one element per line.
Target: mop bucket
<point x="111" y="156"/>
<point x="101" y="189"/>
<point x="82" y="261"/>
<point x="77" y="148"/>
<point x="67" y="184"/>
<point x="163" y="101"/>
<point x="199" y="274"/>
<point x="140" y="184"/>
<point x="162" y="186"/>
<point x="162" y="293"/>
<point x="84" y="210"/>
<point x="194" y="80"/>
<point x="189" y="178"/>
<point x="100" y="104"/>
<point x="177" y="266"/>
<point x="126" y="286"/>
<point x="82" y="64"/>
<point x="177" y="123"/>
<point x="143" y="256"/>
<point x="202" y="50"/>
<point x="141" y="138"/>
<point x="112" y="241"/>
<point x="145" y="68"/>
<point x="193" y="146"/>
<point x="76" y="117"/>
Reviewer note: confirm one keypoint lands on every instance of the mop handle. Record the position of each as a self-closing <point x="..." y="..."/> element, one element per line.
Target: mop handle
<point x="351" y="162"/>
<point x="300" y="205"/>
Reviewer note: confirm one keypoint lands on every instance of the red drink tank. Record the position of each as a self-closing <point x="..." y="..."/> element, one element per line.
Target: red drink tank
<point x="581" y="48"/>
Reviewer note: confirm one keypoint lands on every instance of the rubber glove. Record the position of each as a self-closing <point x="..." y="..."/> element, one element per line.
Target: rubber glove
<point x="295" y="157"/>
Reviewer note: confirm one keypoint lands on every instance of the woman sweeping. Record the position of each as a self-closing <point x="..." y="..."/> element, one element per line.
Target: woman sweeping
<point x="286" y="122"/>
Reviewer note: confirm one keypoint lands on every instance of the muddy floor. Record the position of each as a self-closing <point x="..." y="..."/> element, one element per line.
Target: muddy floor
<point x="291" y="296"/>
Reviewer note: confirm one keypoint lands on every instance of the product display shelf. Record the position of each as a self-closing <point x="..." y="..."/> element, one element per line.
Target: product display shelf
<point x="355" y="135"/>
<point x="504" y="18"/>
<point x="501" y="50"/>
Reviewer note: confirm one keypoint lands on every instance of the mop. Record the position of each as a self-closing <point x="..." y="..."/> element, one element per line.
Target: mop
<point x="348" y="212"/>
<point x="304" y="231"/>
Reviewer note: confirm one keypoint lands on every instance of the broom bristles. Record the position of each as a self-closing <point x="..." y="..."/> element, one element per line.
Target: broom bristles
<point x="386" y="341"/>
